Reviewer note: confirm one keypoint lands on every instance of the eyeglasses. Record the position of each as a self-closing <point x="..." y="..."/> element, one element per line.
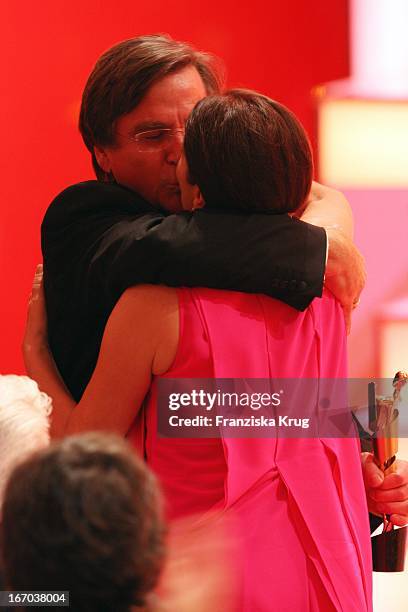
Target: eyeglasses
<point x="155" y="140"/>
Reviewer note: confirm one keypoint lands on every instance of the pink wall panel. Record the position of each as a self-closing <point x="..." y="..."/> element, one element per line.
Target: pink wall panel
<point x="47" y="50"/>
<point x="381" y="221"/>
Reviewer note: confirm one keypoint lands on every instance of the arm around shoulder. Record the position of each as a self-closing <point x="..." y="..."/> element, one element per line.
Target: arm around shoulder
<point x="101" y="236"/>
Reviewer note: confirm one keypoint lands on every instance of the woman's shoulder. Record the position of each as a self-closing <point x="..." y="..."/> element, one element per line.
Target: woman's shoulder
<point x="143" y="314"/>
<point x="150" y="298"/>
<point x="151" y="314"/>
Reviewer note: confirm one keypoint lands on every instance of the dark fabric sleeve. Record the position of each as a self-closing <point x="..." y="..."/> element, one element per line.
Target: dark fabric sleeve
<point x="115" y="240"/>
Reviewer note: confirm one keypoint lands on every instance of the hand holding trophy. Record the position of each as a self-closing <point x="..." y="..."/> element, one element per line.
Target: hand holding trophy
<point x="388" y="547"/>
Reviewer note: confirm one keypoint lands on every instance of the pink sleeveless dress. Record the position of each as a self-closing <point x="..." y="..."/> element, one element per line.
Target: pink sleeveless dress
<point x="299" y="503"/>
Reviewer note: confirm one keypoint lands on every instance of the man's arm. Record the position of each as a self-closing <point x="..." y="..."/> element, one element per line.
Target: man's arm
<point x="345" y="270"/>
<point x="115" y="240"/>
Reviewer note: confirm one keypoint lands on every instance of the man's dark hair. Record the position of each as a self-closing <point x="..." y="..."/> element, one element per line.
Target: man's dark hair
<point x="122" y="76"/>
<point x="84" y="516"/>
<point x="247" y="151"/>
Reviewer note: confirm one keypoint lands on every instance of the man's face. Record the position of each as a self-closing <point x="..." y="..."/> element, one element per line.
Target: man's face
<point x="152" y="174"/>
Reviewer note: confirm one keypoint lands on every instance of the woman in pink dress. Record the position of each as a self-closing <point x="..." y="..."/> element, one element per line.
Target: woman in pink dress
<point x="299" y="503"/>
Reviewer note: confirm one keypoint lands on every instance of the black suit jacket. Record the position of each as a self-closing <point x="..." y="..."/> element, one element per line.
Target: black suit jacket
<point x="99" y="239"/>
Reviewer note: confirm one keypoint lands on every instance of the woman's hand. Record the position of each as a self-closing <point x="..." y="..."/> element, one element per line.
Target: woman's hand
<point x="36" y="330"/>
<point x="387" y="494"/>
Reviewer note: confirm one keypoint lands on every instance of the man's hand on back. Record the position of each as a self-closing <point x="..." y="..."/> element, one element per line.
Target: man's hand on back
<point x="345" y="272"/>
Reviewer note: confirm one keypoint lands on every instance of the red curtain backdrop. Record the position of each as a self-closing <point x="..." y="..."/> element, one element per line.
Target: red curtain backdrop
<point x="47" y="50"/>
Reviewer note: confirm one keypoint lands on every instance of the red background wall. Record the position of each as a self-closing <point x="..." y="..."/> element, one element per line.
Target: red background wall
<point x="47" y="49"/>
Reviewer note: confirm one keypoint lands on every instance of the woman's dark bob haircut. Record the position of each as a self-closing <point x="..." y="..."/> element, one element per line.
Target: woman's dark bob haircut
<point x="248" y="152"/>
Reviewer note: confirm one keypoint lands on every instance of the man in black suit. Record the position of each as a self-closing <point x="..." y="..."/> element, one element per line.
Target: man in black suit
<point x="101" y="237"/>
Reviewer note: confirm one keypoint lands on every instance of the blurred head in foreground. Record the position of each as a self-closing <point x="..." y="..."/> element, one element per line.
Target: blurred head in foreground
<point x="24" y="423"/>
<point x="84" y="516"/>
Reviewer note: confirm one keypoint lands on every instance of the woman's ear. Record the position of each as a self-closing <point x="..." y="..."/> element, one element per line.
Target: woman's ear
<point x="103" y="159"/>
<point x="198" y="200"/>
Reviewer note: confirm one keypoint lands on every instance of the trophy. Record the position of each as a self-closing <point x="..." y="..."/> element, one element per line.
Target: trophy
<point x="388" y="548"/>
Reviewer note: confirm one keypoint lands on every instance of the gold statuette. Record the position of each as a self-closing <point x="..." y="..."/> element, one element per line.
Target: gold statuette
<point x="389" y="546"/>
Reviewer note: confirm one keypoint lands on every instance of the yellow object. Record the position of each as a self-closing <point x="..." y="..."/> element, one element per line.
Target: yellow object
<point x="363" y="143"/>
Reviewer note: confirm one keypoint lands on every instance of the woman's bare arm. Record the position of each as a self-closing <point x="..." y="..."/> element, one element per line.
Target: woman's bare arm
<point x="140" y="338"/>
<point x="328" y="208"/>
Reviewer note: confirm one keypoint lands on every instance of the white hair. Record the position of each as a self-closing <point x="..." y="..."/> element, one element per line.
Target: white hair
<point x="24" y="422"/>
